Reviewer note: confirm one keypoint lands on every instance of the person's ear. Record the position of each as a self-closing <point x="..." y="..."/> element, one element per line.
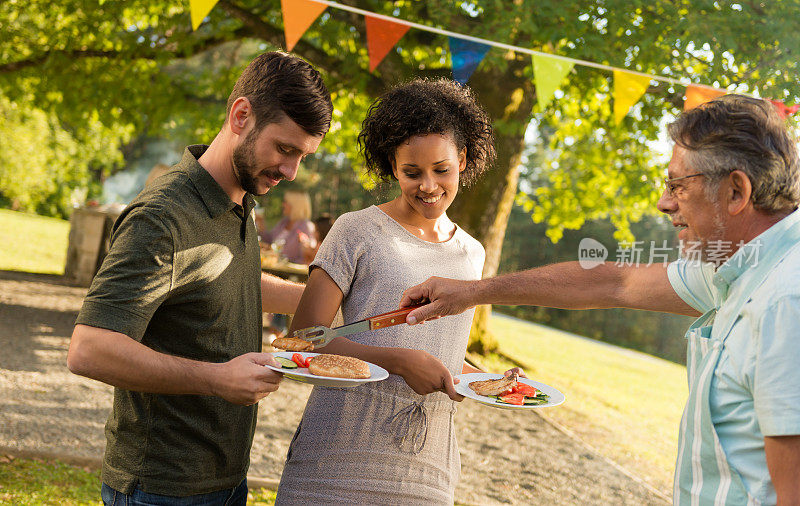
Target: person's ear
<point x="393" y="161"/>
<point x="241" y="112"/>
<point x="462" y="159"/>
<point x="740" y="189"/>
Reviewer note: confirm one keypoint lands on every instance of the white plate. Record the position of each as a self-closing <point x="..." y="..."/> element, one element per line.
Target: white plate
<point x="463" y="388"/>
<point x="302" y="375"/>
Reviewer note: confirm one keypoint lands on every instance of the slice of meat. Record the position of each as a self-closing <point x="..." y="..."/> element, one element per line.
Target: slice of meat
<point x="292" y="344"/>
<point x="495" y="386"/>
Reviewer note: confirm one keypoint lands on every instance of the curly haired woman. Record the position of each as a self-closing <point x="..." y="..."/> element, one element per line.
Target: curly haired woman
<point x="393" y="442"/>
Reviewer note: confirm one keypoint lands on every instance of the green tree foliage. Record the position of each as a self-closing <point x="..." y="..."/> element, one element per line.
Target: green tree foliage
<point x="42" y="164"/>
<point x="138" y="64"/>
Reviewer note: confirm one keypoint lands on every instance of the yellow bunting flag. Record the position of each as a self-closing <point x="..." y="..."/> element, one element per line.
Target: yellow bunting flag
<point x="200" y="9"/>
<point x="628" y="88"/>
<point x="549" y="74"/>
<point x="696" y="95"/>
<point x="297" y="17"/>
<point x="382" y="35"/>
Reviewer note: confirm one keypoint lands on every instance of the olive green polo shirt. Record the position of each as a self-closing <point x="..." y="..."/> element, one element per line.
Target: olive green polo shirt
<point x="182" y="276"/>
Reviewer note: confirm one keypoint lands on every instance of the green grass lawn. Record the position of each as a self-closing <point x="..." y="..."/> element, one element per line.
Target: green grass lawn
<point x="625" y="404"/>
<point x="32" y="243"/>
<point x="24" y="482"/>
<point x="34" y="482"/>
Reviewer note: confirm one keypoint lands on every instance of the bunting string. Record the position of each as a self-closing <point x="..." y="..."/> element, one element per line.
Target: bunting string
<point x="467" y="51"/>
<point x="493" y="43"/>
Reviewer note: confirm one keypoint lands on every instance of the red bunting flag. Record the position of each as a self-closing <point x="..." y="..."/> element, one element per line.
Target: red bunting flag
<point x="297" y="17"/>
<point x="785" y="110"/>
<point x="382" y="35"/>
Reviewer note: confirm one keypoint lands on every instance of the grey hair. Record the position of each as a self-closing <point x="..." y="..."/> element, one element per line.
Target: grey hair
<point x="739" y="132"/>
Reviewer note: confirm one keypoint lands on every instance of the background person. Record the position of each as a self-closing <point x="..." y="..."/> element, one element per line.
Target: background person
<point x="294" y="228"/>
<point x="734" y="179"/>
<point x="310" y="245"/>
<point x="173" y="318"/>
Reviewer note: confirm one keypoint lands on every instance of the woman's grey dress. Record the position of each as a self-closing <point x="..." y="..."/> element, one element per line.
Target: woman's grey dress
<point x="382" y="443"/>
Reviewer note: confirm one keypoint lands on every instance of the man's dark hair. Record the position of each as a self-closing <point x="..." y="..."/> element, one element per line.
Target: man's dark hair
<point x="745" y="133"/>
<point x="278" y="83"/>
<point x="423" y="107"/>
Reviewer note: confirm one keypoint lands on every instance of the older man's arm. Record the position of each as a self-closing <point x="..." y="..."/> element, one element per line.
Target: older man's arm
<point x="565" y="285"/>
<point x="279" y="295"/>
<point x="783" y="462"/>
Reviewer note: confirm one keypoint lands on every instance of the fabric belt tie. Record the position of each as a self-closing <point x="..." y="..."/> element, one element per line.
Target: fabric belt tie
<point x="410" y="423"/>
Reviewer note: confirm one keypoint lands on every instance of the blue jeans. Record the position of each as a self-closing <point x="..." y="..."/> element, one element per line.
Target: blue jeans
<point x="236" y="496"/>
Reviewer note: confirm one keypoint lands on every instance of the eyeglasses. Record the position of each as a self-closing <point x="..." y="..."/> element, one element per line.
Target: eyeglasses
<point x="670" y="183"/>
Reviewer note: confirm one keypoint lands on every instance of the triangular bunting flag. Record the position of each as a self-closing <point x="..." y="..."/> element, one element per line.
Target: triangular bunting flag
<point x="297" y="17"/>
<point x="697" y="94"/>
<point x="465" y="56"/>
<point x="200" y="9"/>
<point x="382" y="35"/>
<point x="549" y="73"/>
<point x="785" y="110"/>
<point x="628" y="88"/>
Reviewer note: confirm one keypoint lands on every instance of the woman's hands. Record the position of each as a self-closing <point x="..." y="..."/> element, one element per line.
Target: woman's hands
<point x="424" y="373"/>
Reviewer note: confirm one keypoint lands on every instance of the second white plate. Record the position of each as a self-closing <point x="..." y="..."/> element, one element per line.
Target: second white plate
<point x="463" y="388"/>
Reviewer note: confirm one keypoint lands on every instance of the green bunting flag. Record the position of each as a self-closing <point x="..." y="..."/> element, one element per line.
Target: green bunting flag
<point x="549" y="73"/>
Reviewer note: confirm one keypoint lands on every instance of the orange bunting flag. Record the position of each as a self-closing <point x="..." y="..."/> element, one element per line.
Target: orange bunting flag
<point x="628" y="88"/>
<point x="200" y="9"/>
<point x="297" y="17"/>
<point x="697" y="94"/>
<point x="382" y="35"/>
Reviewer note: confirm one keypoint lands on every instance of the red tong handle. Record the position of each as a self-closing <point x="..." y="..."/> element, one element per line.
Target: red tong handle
<point x="391" y="318"/>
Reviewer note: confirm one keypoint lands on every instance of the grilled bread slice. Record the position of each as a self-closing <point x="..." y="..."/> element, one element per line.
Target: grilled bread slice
<point x="338" y="366"/>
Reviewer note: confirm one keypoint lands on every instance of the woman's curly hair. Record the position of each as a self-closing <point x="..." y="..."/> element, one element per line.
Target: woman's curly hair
<point x="422" y="107"/>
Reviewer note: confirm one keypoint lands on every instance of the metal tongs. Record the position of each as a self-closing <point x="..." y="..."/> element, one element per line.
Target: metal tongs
<point x="320" y="336"/>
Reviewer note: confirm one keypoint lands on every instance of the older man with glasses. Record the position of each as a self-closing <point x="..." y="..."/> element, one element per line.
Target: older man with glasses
<point x="739" y="439"/>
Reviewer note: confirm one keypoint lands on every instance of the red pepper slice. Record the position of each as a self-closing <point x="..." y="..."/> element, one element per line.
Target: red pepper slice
<point x="299" y="360"/>
<point x="526" y="390"/>
<point x="516" y="399"/>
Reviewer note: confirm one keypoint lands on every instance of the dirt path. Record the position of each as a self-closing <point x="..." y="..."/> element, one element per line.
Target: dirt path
<point x="506" y="457"/>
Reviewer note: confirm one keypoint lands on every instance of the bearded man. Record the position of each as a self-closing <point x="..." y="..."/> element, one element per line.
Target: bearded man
<point x="733" y="189"/>
<point x="173" y="317"/>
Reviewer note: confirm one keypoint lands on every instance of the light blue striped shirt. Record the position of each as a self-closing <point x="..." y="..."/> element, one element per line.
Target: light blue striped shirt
<point x="755" y="389"/>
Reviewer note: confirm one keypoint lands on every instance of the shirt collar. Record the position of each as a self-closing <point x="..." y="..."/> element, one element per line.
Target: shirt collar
<point x="214" y="197"/>
<point x="768" y="245"/>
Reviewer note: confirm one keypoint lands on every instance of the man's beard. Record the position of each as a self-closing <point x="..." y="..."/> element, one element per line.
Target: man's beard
<point x="244" y="165"/>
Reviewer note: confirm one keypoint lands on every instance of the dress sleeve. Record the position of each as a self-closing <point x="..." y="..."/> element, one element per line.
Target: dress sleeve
<point x="692" y="281"/>
<point x="339" y="253"/>
<point x="135" y="278"/>
<point x="776" y="378"/>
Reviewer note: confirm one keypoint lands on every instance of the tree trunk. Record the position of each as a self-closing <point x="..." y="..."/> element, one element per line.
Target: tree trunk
<point x="483" y="209"/>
